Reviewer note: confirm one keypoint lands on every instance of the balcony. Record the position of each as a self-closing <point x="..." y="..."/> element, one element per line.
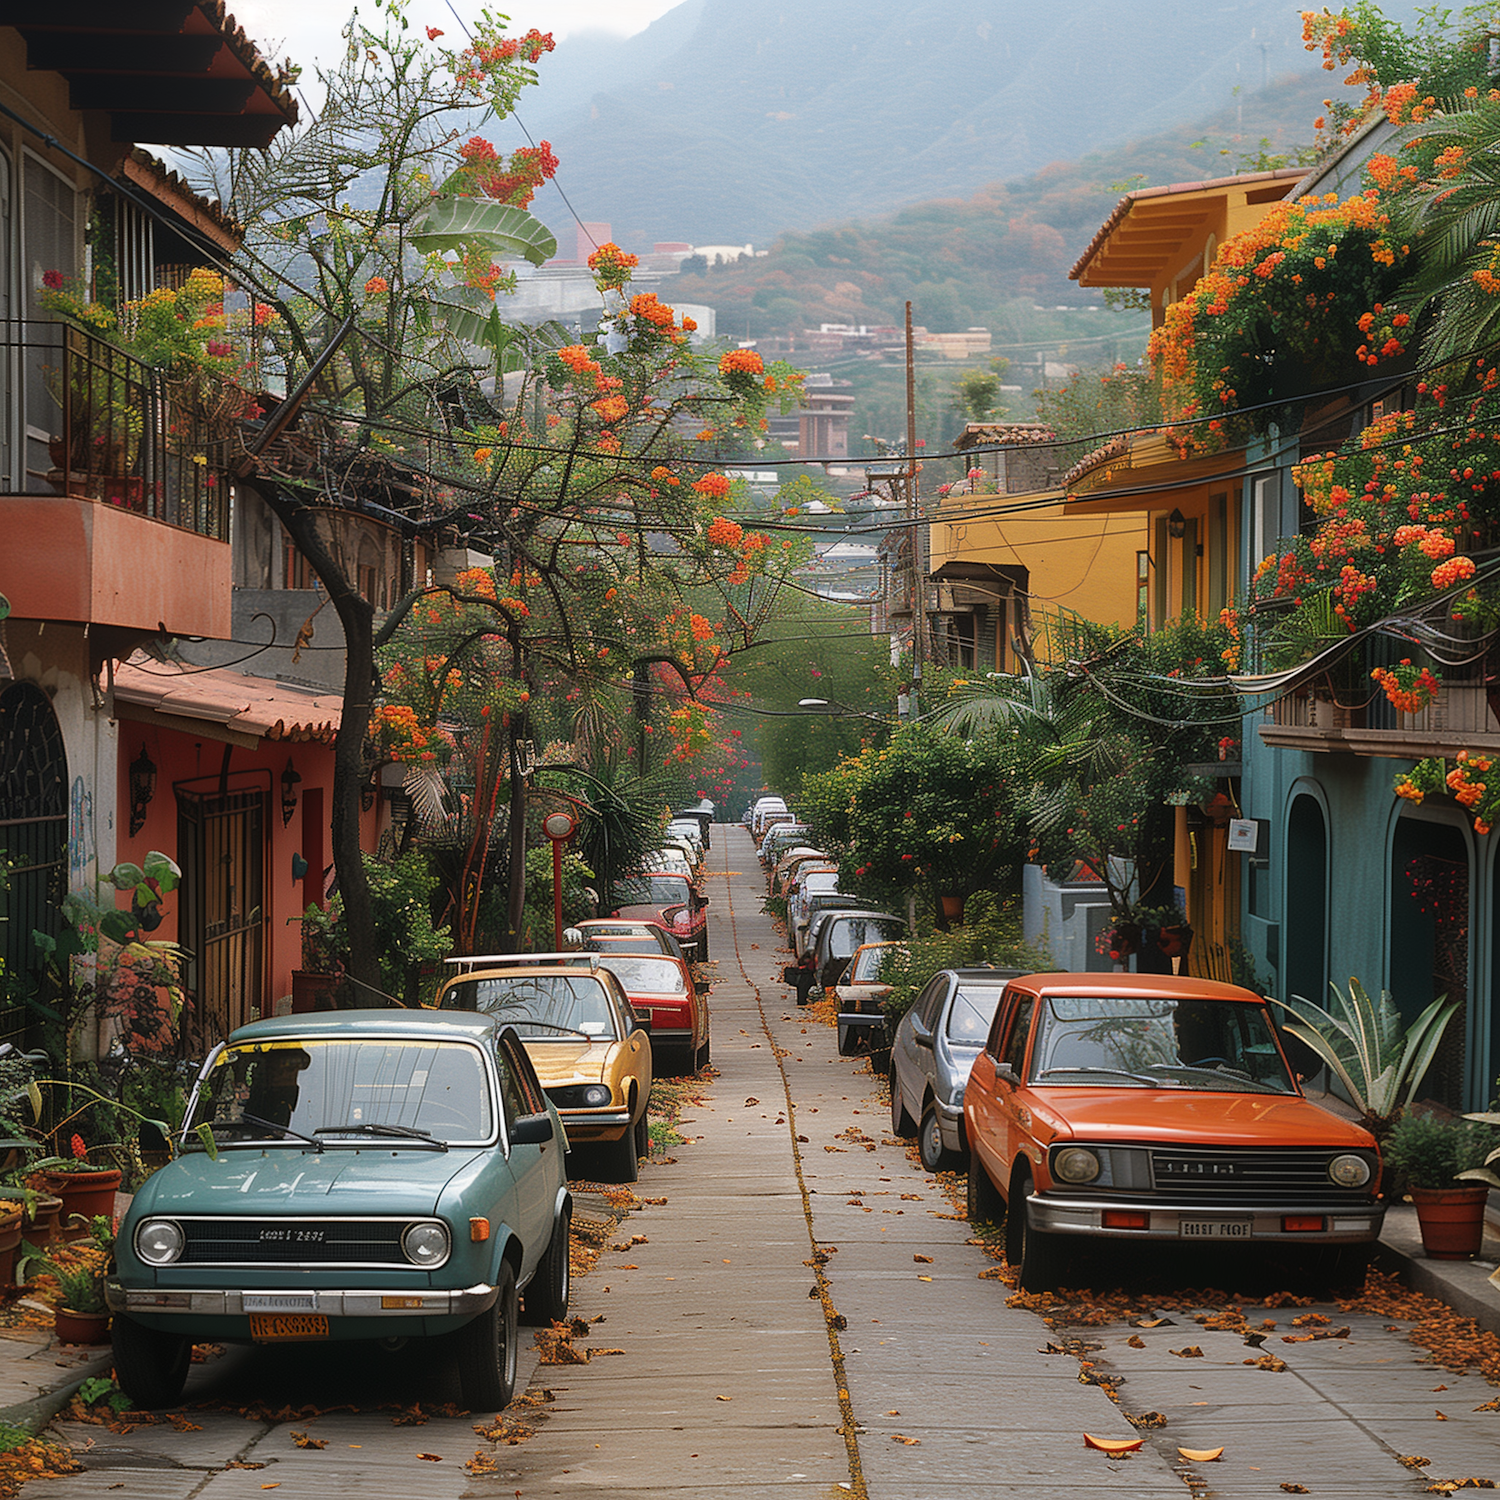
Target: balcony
<point x="113" y="496"/>
<point x="1459" y="717"/>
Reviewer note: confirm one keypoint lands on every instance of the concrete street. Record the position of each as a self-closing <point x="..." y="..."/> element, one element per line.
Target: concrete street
<point x="804" y="1316"/>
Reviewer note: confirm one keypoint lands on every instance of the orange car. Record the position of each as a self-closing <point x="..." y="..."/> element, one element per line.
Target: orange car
<point x="1158" y="1107"/>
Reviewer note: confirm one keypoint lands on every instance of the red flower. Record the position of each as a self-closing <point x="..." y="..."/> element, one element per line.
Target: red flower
<point x="433" y="33"/>
<point x="77" y="1147"/>
<point x="52" y="280"/>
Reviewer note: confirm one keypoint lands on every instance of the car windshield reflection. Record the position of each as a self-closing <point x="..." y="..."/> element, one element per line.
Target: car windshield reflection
<point x="542" y="1007"/>
<point x="971" y="1013"/>
<point x="1216" y="1046"/>
<point x="307" y="1091"/>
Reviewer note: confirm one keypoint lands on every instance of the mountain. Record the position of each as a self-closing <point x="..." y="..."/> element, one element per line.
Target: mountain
<point x="973" y="261"/>
<point x="734" y="120"/>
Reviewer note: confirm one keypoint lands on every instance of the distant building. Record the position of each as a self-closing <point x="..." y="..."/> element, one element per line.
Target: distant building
<point x="819" y="428"/>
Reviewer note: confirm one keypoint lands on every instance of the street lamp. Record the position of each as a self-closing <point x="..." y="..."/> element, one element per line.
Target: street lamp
<point x="559" y="827"/>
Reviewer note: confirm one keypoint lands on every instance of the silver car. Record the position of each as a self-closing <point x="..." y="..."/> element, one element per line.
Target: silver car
<point x="934" y="1047"/>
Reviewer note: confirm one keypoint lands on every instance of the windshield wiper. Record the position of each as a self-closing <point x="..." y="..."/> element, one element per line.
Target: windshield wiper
<point x="246" y="1118"/>
<point x="394" y="1132"/>
<point x="550" y="1026"/>
<point x="1113" y="1073"/>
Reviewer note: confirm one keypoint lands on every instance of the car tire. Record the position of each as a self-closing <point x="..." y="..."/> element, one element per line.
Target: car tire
<point x="151" y="1367"/>
<point x="641" y="1135"/>
<point x="930" y="1140"/>
<point x="700" y="1060"/>
<point x="1340" y="1270"/>
<point x="902" y="1123"/>
<point x="983" y="1203"/>
<point x="549" y="1290"/>
<point x="1035" y="1256"/>
<point x="485" y="1350"/>
<point x="703" y="946"/>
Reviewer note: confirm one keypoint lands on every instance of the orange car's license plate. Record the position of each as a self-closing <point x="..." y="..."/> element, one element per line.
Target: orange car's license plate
<point x="1216" y="1229"/>
<point x="269" y="1327"/>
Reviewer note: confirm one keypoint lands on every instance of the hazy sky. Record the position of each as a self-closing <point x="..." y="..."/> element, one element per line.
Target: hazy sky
<point x="308" y="30"/>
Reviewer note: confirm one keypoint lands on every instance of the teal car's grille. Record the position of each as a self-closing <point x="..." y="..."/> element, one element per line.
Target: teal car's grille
<point x="285" y="1242"/>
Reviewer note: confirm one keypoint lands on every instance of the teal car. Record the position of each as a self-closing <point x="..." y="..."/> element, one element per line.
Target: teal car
<point x="378" y="1174"/>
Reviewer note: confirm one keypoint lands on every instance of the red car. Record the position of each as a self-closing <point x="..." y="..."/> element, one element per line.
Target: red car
<point x="664" y="989"/>
<point x="611" y="935"/>
<point x="670" y="901"/>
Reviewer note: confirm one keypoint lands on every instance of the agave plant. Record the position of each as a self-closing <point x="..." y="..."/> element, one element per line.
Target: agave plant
<point x="1379" y="1060"/>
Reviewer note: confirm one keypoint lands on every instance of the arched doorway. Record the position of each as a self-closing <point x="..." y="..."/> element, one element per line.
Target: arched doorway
<point x="33" y="834"/>
<point x="1306" y="946"/>
<point x="1429" y="941"/>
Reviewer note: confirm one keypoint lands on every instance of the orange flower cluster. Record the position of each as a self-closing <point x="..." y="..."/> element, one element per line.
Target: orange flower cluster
<point x="1452" y="572"/>
<point x="1466" y="790"/>
<point x="663" y="475"/>
<point x="404" y="736"/>
<point x="611" y="265"/>
<point x="714" y="486"/>
<point x="478" y="61"/>
<point x="377" y="286"/>
<point x="646" y="307"/>
<point x="741" y="362"/>
<point x="530" y="167"/>
<point x="477" y="581"/>
<point x="1409" y="689"/>
<point x="577" y="359"/>
<point x="611" y="408"/>
<point x="725" y="533"/>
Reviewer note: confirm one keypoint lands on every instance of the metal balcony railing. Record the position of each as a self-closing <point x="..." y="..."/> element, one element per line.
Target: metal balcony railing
<point x="82" y="417"/>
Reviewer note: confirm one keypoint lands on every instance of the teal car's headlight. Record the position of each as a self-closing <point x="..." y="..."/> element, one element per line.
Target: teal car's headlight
<point x="427" y="1244"/>
<point x="581" y="1096"/>
<point x="159" y="1242"/>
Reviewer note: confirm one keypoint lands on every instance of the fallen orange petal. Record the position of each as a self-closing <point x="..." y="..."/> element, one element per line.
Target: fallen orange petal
<point x="1200" y="1455"/>
<point x="1112" y="1445"/>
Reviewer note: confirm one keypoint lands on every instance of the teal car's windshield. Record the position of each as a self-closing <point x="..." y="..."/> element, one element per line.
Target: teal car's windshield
<point x="1218" y="1045"/>
<point x="317" y="1088"/>
<point x="542" y="1007"/>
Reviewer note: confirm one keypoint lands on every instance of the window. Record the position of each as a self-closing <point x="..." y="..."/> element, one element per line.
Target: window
<point x="1265" y="520"/>
<point x="1015" y="1048"/>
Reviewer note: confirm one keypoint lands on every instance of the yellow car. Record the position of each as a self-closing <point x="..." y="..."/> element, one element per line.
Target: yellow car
<point x="590" y="1049"/>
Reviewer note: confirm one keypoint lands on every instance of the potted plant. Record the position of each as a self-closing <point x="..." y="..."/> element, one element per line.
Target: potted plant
<point x="87" y="1190"/>
<point x="1378" y="1060"/>
<point x="81" y="1315"/>
<point x="1436" y="1152"/>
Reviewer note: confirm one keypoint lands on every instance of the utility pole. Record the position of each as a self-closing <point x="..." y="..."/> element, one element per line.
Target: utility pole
<point x="918" y="551"/>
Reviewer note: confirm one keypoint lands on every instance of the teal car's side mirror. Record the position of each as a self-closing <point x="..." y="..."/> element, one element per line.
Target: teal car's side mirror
<point x="532" y="1130"/>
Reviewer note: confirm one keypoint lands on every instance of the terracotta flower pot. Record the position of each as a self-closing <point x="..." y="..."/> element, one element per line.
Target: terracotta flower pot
<point x="80" y="1328"/>
<point x="953" y="909"/>
<point x="12" y="1217"/>
<point x="1451" y="1220"/>
<point x="83" y="1193"/>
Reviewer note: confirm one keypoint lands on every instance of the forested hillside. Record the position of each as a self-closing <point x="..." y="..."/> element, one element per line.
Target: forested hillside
<point x="735" y="120"/>
<point x="966" y="262"/>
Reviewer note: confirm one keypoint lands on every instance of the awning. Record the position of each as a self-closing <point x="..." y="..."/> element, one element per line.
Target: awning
<point x="218" y="703"/>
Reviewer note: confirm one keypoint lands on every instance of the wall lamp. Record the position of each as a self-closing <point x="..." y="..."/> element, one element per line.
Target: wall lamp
<point x="142" y="790"/>
<point x="1177" y="525"/>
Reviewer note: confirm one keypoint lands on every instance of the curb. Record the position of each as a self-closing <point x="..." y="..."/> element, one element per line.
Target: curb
<point x="33" y="1415"/>
<point x="1464" y="1285"/>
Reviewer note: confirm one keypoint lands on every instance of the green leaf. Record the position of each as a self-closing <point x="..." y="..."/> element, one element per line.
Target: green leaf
<point x="4" y="607"/>
<point x="117" y="926"/>
<point x="205" y="1133"/>
<point x="125" y="875"/>
<point x="34" y="1094"/>
<point x="503" y="229"/>
<point x="44" y="943"/>
<point x="163" y="870"/>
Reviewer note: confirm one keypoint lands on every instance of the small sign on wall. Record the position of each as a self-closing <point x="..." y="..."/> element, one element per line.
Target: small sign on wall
<point x="1244" y="835"/>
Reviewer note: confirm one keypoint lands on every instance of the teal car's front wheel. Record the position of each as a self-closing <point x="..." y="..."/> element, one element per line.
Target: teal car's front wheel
<point x="486" y="1350"/>
<point x="548" y="1290"/>
<point x="150" y="1367"/>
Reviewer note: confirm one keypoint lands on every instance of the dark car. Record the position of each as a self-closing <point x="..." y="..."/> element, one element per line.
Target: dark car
<point x="830" y="941"/>
<point x="932" y="1051"/>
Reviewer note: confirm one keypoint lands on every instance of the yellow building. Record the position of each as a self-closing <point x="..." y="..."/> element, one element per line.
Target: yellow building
<point x="1161" y="240"/>
<point x="1004" y="548"/>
